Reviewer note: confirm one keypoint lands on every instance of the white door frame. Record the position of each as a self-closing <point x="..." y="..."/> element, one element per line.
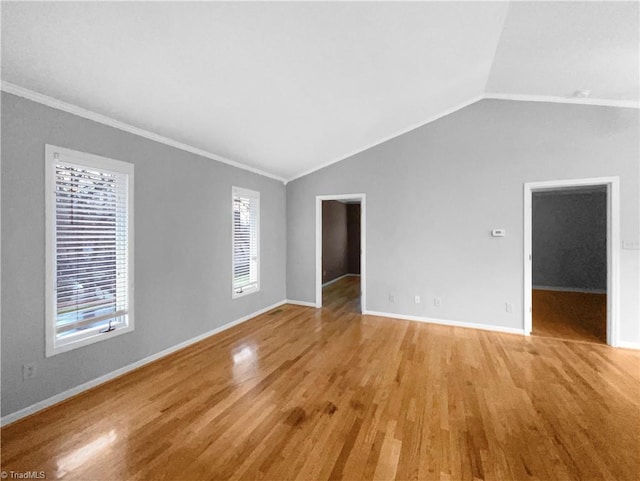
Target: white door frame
<point x="363" y="245"/>
<point x="613" y="247"/>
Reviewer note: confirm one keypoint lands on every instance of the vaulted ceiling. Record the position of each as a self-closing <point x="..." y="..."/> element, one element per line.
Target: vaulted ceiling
<point x="288" y="87"/>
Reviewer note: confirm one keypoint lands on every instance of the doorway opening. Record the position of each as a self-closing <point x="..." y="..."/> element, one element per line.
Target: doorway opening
<point x="340" y="252"/>
<point x="571" y="259"/>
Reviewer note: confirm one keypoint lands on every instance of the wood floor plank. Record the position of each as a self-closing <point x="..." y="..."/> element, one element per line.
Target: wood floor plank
<point x="300" y="393"/>
<point x="579" y="316"/>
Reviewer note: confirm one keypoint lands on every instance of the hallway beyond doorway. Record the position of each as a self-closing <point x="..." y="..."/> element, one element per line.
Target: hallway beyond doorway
<point x="343" y="295"/>
<point x="575" y="316"/>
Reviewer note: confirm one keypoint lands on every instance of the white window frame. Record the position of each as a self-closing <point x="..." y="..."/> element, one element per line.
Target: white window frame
<point x="255" y="195"/>
<point x="53" y="154"/>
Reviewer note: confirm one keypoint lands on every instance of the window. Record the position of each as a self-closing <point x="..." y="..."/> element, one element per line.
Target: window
<point x="89" y="248"/>
<point x="246" y="241"/>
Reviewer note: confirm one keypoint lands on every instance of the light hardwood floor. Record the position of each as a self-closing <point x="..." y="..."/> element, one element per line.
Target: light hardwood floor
<point x="307" y="394"/>
<point x="578" y="316"/>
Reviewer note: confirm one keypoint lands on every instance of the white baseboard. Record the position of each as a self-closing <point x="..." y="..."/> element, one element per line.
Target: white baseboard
<point x="45" y="403"/>
<point x="628" y="345"/>
<point x="570" y="289"/>
<point x="445" y="322"/>
<point x="300" y="303"/>
<point x="338" y="278"/>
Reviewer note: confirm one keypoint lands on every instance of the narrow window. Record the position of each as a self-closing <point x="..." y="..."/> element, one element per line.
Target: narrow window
<point x="246" y="241"/>
<point x="89" y="255"/>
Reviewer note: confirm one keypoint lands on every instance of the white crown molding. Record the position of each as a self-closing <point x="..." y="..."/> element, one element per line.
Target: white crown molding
<point x="392" y="136"/>
<point x="631" y="104"/>
<point x="111" y="122"/>
<point x="103" y="119"/>
<point x="487" y="96"/>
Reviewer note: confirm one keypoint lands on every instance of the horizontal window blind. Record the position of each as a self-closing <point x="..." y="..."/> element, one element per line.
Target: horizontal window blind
<point x="91" y="250"/>
<point x="245" y="240"/>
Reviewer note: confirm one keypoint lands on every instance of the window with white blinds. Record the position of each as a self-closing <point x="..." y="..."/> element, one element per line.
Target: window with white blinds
<point x="90" y="238"/>
<point x="246" y="241"/>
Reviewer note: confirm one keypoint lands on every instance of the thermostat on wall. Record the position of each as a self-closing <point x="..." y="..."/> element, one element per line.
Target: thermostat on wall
<point x="498" y="233"/>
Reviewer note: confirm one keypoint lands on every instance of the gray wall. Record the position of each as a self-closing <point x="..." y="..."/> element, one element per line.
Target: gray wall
<point x="569" y="240"/>
<point x="182" y="248"/>
<point x="335" y="261"/>
<point x="434" y="194"/>
<point x="432" y="197"/>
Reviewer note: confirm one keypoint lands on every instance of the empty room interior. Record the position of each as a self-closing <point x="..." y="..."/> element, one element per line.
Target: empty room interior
<point x="320" y="240"/>
<point x="341" y="252"/>
<point x="569" y="263"/>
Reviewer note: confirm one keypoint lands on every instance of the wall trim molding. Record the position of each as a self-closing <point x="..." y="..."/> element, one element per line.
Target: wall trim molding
<point x="386" y="138"/>
<point x="563" y="100"/>
<point x="486" y="96"/>
<point x="446" y="322"/>
<point x="111" y="122"/>
<point x="300" y="303"/>
<point x="629" y="345"/>
<point x="74" y="391"/>
<point x="570" y="289"/>
<point x="328" y="283"/>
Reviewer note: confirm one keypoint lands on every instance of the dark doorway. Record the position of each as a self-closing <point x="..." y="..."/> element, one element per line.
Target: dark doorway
<point x="569" y="263"/>
<point x="341" y="238"/>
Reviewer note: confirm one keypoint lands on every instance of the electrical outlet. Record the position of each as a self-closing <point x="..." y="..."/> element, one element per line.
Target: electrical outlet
<point x="631" y="244"/>
<point x="437" y="301"/>
<point x="392" y="298"/>
<point x="416" y="299"/>
<point x="508" y="307"/>
<point x="29" y="371"/>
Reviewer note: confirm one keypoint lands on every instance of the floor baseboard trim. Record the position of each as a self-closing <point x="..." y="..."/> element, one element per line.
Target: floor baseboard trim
<point x="445" y="322"/>
<point x="45" y="403"/>
<point x="570" y="289"/>
<point x="339" y="278"/>
<point x="629" y="345"/>
<point x="300" y="303"/>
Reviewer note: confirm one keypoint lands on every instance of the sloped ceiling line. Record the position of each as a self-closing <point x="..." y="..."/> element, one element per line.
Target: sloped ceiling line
<point x="495" y="50"/>
<point x="111" y="122"/>
<point x="103" y="119"/>
<point x="280" y="89"/>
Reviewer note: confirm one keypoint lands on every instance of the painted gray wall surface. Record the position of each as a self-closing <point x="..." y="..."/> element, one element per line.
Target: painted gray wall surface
<point x="569" y="240"/>
<point x="434" y="194"/>
<point x="182" y="248"/>
<point x="335" y="260"/>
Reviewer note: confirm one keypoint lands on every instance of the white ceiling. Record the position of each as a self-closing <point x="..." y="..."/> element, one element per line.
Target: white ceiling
<point x="556" y="48"/>
<point x="289" y="87"/>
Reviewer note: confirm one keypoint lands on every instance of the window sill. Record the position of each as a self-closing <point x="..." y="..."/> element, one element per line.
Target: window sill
<point x="54" y="349"/>
<point x="236" y="295"/>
